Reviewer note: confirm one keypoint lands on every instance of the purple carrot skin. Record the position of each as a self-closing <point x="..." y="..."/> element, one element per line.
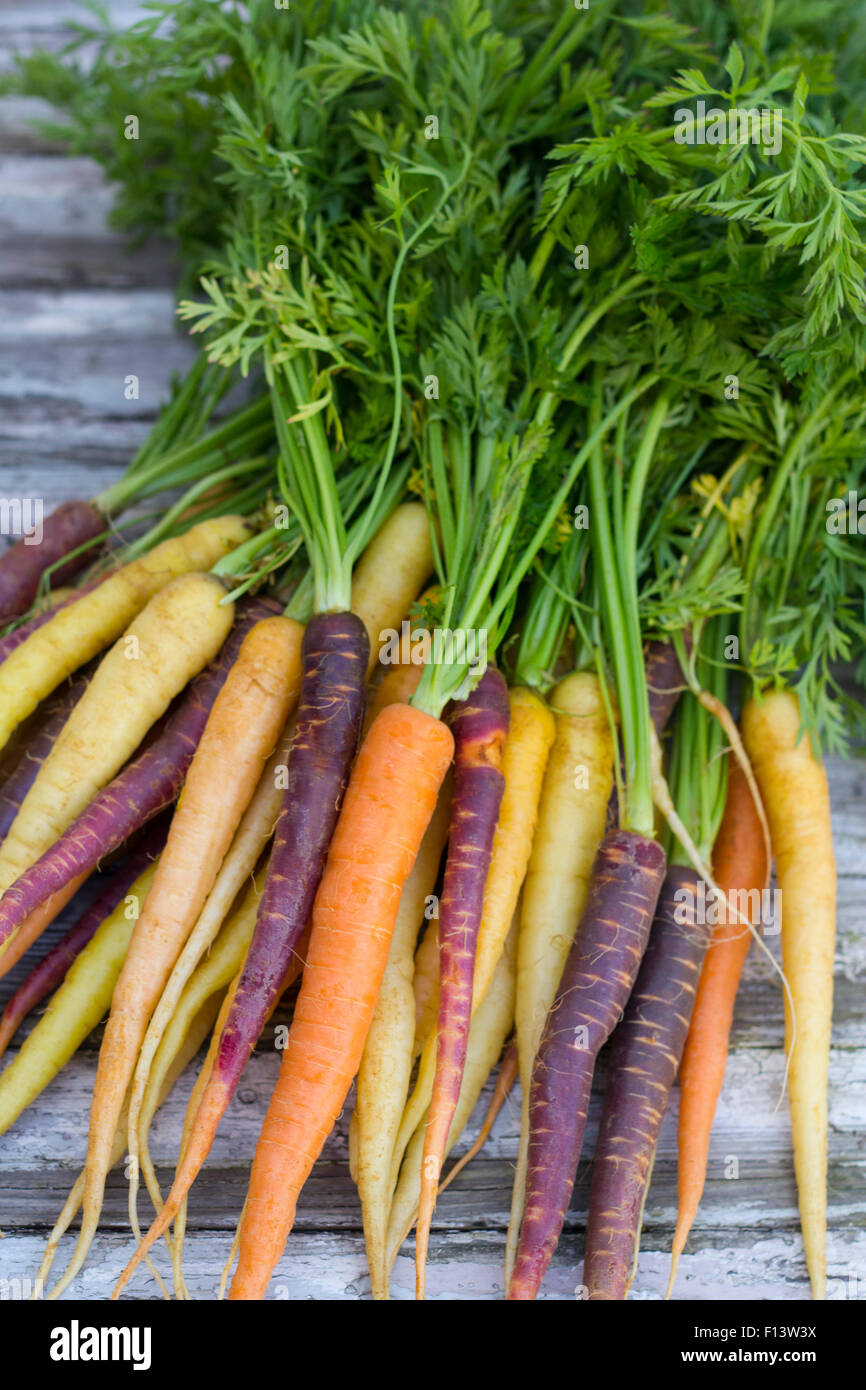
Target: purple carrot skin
<point x="330" y="714"/>
<point x="137" y="793"/>
<point x="20" y="634"/>
<point x="23" y="774"/>
<point x="50" y="972"/>
<point x="598" y="978"/>
<point x="665" y="685"/>
<point x="328" y="726"/>
<point x="23" y="564"/>
<point x="665" y="679"/>
<point x="644" y="1059"/>
<point x="480" y="728"/>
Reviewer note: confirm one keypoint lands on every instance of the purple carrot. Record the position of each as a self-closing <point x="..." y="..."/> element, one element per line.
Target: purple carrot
<point x="480" y="728"/>
<point x="665" y="679"/>
<point x="20" y="634"/>
<point x="23" y="775"/>
<point x="598" y="978"/>
<point x="644" y="1059"/>
<point x="49" y="972"/>
<point x="137" y="793"/>
<point x="24" y="563"/>
<point x="328" y="727"/>
<point x="327" y="730"/>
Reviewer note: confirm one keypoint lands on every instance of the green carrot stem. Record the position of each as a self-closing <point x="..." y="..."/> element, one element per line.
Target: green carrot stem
<point x="620" y="601"/>
<point x="246" y="425"/>
<point x="176" y="512"/>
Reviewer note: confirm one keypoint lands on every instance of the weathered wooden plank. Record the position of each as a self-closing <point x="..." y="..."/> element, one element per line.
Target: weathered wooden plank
<point x="81" y="261"/>
<point x="750" y="1172"/>
<point x="42" y="195"/>
<point x="45" y="24"/>
<point x="44" y="389"/>
<point x="330" y="1267"/>
<point x="20" y="118"/>
<point x="109" y="316"/>
<point x="53" y="229"/>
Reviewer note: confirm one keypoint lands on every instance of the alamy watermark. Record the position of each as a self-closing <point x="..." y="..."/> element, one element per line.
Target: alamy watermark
<point x="710" y="907"/>
<point x="846" y="516"/>
<point x="445" y="646"/>
<point x="22" y="516"/>
<point x="77" y="1343"/>
<point x="737" y="126"/>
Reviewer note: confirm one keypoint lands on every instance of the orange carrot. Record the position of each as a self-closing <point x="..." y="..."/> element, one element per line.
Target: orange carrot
<point x="398" y="686"/>
<point x="739" y="864"/>
<point x="389" y="802"/>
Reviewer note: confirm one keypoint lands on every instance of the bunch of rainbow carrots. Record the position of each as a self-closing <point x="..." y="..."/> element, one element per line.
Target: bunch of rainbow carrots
<point x="456" y="658"/>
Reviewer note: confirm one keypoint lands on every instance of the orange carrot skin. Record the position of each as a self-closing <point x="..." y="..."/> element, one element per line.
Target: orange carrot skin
<point x="389" y="801"/>
<point x="480" y="727"/>
<point x="645" y="1054"/>
<point x="599" y="974"/>
<point x="739" y="863"/>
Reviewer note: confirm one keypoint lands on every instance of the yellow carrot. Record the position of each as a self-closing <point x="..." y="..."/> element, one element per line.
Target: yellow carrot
<point x="74" y="1011"/>
<point x="530" y="736"/>
<point x="244" y="724"/>
<point x="425" y="985"/>
<point x="232" y="874"/>
<point x="793" y="786"/>
<point x="208" y="982"/>
<point x="382" y="1083"/>
<point x="77" y="633"/>
<point x="186" y="1045"/>
<point x="391" y="572"/>
<point x="577" y="786"/>
<point x="491" y="1024"/>
<point x="178" y="632"/>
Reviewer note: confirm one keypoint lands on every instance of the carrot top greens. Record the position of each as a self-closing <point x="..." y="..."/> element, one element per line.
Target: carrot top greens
<point x="380" y="199"/>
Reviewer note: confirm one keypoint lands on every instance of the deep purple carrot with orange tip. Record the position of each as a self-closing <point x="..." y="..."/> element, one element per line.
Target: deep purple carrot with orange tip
<point x="480" y="727"/>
